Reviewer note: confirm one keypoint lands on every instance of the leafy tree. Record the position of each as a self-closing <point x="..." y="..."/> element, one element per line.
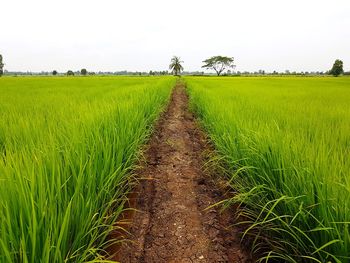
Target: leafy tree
<point x="218" y="63"/>
<point x="337" y="68"/>
<point x="83" y="72"/>
<point x="1" y="66"/>
<point x="175" y="65"/>
<point x="70" y="73"/>
<point x="54" y="72"/>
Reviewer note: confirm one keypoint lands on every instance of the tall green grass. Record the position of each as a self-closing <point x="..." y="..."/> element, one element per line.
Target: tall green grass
<point x="286" y="147"/>
<point x="66" y="149"/>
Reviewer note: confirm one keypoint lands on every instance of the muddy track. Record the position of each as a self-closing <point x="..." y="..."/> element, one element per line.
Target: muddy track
<point x="171" y="224"/>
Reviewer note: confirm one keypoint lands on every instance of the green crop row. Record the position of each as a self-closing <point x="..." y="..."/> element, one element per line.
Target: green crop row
<point x="285" y="145"/>
<point x="66" y="149"/>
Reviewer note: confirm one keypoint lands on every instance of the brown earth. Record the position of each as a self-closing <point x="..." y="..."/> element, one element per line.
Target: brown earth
<point x="172" y="223"/>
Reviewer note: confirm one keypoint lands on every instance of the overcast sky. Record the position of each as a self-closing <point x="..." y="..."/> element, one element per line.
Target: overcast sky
<point x="302" y="35"/>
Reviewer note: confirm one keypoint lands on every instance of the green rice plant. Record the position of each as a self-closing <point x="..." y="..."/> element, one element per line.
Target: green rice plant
<point x="286" y="145"/>
<point x="67" y="146"/>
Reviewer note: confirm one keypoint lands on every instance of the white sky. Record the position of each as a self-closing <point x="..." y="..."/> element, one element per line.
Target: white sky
<point x="302" y="35"/>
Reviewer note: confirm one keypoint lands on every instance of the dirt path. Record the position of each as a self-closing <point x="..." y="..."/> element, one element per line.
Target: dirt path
<point x="171" y="224"/>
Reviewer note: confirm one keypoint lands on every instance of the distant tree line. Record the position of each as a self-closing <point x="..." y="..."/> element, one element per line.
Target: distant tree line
<point x="185" y="73"/>
<point x="158" y="73"/>
<point x="223" y="66"/>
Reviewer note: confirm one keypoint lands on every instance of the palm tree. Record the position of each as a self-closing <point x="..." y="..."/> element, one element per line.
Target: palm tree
<point x="175" y="65"/>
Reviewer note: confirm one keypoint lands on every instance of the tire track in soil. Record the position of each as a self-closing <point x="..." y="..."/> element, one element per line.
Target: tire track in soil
<point x="170" y="224"/>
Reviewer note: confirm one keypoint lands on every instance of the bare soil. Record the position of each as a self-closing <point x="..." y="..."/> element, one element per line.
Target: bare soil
<point x="172" y="223"/>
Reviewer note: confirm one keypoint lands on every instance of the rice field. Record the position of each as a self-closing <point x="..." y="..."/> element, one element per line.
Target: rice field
<point x="66" y="149"/>
<point x="284" y="144"/>
<point x="68" y="146"/>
